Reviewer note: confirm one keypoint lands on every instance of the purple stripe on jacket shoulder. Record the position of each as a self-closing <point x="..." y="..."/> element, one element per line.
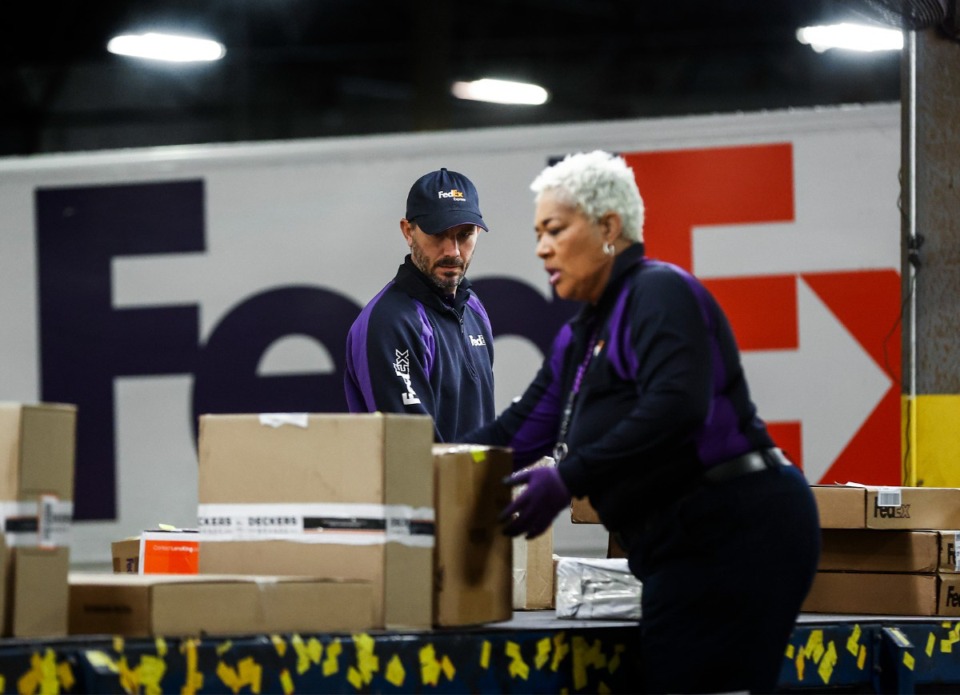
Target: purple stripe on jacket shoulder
<point x="620" y="351"/>
<point x="474" y="303"/>
<point x="357" y="361"/>
<point x="426" y="335"/>
<point x="720" y="437"/>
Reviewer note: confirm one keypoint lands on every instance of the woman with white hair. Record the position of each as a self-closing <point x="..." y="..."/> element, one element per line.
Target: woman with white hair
<point x="644" y="404"/>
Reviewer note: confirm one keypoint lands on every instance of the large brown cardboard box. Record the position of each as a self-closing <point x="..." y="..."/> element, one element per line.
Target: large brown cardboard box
<point x="136" y="605"/>
<point x="37" y="447"/>
<point x="873" y="593"/>
<point x="473" y="562"/>
<point x="874" y="550"/>
<point x="331" y="495"/>
<point x="852" y="506"/>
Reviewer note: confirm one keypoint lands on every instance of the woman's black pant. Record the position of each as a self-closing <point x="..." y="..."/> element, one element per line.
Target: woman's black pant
<point x="724" y="570"/>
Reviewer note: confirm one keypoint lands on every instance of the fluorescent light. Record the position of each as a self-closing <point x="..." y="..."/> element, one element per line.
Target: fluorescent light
<point x="169" y="47"/>
<point x="851" y="37"/>
<point x="501" y="92"/>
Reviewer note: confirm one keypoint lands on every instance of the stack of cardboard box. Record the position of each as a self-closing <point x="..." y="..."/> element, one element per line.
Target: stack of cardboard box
<point x="359" y="519"/>
<point x="887" y="551"/>
<point x="37" y="445"/>
<point x="360" y="497"/>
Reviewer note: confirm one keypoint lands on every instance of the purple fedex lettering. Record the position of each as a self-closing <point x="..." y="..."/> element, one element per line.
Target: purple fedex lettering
<point x="84" y="342"/>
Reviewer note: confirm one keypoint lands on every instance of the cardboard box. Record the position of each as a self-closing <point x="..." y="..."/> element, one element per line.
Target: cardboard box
<point x="364" y="496"/>
<point x="853" y="506"/>
<point x="871" y="593"/>
<point x="158" y="551"/>
<point x="582" y="512"/>
<point x="37" y="448"/>
<point x="873" y="550"/>
<point x="330" y="495"/>
<point x="473" y="562"/>
<point x="184" y="605"/>
<point x="534" y="578"/>
<point x="840" y="506"/>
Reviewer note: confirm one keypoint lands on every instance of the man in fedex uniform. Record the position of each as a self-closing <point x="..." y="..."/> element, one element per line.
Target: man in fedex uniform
<point x="424" y="345"/>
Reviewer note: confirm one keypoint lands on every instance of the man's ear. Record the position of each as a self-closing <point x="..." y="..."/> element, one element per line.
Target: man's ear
<point x="406" y="228"/>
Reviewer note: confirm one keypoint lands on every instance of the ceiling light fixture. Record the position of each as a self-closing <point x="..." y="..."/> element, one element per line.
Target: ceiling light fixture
<point x="501" y="92"/>
<point x="851" y="37"/>
<point x="168" y="47"/>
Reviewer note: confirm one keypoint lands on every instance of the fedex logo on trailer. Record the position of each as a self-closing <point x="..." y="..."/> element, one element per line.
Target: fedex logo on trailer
<point x="820" y="344"/>
<point x="821" y="348"/>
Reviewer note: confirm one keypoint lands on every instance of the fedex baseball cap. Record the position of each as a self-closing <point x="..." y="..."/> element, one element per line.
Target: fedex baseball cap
<point x="443" y="199"/>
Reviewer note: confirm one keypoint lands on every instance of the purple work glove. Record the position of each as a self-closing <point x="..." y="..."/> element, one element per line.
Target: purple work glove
<point x="534" y="509"/>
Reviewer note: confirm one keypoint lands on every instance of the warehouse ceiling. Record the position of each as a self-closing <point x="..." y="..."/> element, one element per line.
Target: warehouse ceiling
<point x="319" y="68"/>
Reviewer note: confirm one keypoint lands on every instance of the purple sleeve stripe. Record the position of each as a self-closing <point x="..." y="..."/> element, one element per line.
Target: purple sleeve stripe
<point x="357" y="357"/>
<point x="426" y="334"/>
<point x="619" y="352"/>
<point x="703" y="301"/>
<point x="538" y="433"/>
<point x="559" y="349"/>
<point x="720" y="436"/>
<point x="474" y="303"/>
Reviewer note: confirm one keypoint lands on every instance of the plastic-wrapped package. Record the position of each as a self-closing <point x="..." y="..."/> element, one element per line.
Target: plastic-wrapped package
<point x="598" y="588"/>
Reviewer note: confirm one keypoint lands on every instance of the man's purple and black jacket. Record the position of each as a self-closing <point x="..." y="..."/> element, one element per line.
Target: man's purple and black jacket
<point x="415" y="350"/>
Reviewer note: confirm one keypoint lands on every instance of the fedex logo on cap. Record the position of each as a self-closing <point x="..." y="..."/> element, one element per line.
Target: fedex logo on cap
<point x="452" y="193"/>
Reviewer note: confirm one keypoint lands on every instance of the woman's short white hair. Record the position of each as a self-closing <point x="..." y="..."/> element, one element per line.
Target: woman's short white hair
<point x="596" y="182"/>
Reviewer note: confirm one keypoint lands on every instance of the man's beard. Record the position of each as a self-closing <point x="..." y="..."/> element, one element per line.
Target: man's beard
<point x="446" y="284"/>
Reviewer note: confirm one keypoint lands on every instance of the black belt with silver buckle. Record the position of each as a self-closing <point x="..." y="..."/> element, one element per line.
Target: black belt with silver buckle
<point x="751" y="462"/>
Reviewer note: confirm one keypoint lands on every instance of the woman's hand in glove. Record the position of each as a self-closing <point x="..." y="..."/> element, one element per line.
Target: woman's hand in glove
<point x="534" y="509"/>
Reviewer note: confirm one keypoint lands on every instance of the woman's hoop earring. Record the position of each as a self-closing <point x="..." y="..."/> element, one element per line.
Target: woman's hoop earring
<point x="609" y="249"/>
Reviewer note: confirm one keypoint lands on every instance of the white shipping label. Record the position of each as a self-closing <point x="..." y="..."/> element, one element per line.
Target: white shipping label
<point x="889" y="497"/>
<point x="43" y="523"/>
<point x="279" y="419"/>
<point x="352" y="524"/>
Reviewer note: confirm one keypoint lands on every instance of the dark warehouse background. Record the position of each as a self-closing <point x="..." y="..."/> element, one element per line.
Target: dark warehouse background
<point x="321" y="68"/>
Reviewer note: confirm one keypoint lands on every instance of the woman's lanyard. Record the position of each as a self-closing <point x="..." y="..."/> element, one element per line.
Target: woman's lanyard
<point x="593" y="348"/>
